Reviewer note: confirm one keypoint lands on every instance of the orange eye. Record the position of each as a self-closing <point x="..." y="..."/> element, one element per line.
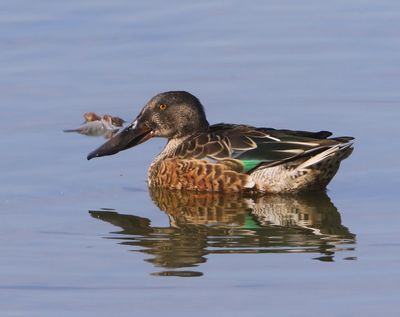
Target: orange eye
<point x="163" y="107"/>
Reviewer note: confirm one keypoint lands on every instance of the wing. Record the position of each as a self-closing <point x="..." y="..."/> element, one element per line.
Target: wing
<point x="250" y="147"/>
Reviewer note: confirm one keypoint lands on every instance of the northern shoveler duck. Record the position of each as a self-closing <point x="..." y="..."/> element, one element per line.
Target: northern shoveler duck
<point x="227" y="157"/>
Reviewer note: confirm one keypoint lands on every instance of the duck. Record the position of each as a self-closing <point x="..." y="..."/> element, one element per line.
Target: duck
<point x="91" y="116"/>
<point x="93" y="127"/>
<point x="117" y="122"/>
<point x="227" y="157"/>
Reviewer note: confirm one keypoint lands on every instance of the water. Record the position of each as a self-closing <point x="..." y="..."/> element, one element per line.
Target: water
<point x="87" y="238"/>
<point x="203" y="224"/>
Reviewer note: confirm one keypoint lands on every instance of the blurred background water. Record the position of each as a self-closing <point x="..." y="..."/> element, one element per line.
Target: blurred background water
<point x="86" y="238"/>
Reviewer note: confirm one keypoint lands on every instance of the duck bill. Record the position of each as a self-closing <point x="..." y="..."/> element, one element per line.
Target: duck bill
<point x="131" y="136"/>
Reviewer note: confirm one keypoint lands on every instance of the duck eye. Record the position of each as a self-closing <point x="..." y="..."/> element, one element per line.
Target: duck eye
<point x="163" y="106"/>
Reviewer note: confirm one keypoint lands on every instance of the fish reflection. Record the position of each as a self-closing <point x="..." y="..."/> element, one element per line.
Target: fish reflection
<point x="202" y="224"/>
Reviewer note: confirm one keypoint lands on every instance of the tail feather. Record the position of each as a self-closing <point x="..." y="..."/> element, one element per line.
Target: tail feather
<point x="343" y="139"/>
<point x="345" y="149"/>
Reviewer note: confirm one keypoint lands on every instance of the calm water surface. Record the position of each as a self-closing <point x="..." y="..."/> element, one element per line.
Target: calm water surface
<point x="83" y="238"/>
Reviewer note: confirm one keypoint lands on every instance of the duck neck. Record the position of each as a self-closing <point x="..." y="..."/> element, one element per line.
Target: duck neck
<point x="168" y="150"/>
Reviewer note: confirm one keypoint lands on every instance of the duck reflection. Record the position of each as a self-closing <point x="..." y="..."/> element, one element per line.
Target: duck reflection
<point x="209" y="223"/>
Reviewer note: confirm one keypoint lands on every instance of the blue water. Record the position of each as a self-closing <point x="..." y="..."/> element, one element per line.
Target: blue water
<point x="81" y="238"/>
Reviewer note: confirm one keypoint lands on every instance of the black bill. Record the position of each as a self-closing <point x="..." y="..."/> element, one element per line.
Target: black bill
<point x="131" y="136"/>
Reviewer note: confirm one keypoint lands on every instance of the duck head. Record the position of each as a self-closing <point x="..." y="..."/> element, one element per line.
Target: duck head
<point x="171" y="115"/>
<point x="91" y="116"/>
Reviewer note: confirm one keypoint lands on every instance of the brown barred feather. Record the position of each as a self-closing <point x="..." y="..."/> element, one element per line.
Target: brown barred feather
<point x="199" y="175"/>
